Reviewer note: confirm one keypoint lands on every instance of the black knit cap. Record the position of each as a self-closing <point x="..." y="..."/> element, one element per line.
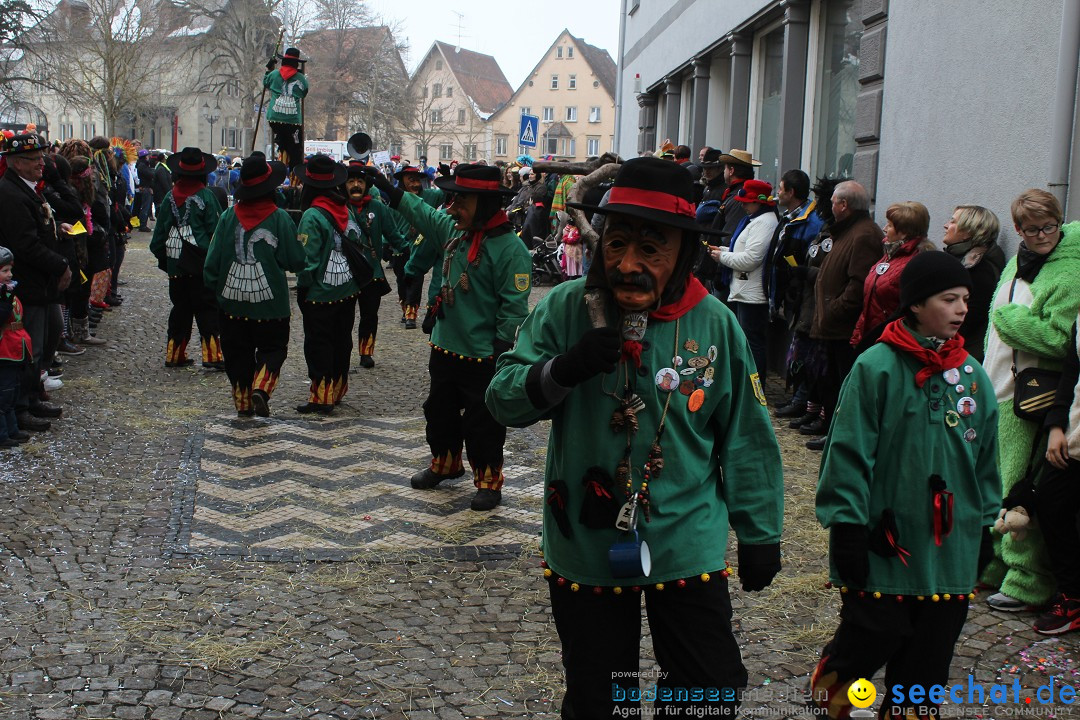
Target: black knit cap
<point x="929" y="273"/>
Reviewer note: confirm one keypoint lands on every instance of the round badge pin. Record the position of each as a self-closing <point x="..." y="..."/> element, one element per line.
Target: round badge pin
<point x="697" y="399"/>
<point x="970" y="434"/>
<point x="677" y="361"/>
<point x="952" y="376"/>
<point x="960" y="389"/>
<point x="968" y="369"/>
<point x="966" y="406"/>
<point x="667" y="380"/>
<point x="882" y="268"/>
<point x="951" y="418"/>
<point x="826" y="245"/>
<point x="813" y="251"/>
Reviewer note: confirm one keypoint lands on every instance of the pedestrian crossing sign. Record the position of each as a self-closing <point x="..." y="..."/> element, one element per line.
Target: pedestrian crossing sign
<point x="530" y="124"/>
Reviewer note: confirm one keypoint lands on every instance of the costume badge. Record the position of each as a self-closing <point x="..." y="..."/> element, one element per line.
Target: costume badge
<point x="302" y="237"/>
<point x="667" y="379"/>
<point x="952" y="376"/>
<point x="966" y="406"/>
<point x="521" y="282"/>
<point x="882" y="268"/>
<point x="969" y="434"/>
<point x="755" y="380"/>
<point x="419" y="239"/>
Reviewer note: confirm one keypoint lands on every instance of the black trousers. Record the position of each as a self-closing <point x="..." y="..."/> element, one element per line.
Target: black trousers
<point x="254" y="352"/>
<point x="191" y="300"/>
<point x="1058" y="503"/>
<point x="456" y="414"/>
<point x="410" y="288"/>
<point x="328" y="329"/>
<point x="692" y="640"/>
<point x="367" y="325"/>
<point x="913" y="639"/>
<point x="289" y="145"/>
<point x="839" y="357"/>
<point x="44" y="324"/>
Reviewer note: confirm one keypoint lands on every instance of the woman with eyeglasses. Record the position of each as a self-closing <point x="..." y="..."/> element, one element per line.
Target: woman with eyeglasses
<point x="1031" y="318"/>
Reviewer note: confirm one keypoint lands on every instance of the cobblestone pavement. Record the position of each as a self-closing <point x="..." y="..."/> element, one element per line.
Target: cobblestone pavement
<point x="162" y="559"/>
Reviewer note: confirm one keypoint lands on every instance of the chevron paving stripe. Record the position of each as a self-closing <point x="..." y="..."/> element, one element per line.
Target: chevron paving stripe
<point x="328" y="488"/>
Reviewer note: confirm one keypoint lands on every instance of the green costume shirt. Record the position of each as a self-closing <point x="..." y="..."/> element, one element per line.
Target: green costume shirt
<point x="326" y="275"/>
<point x="378" y="226"/>
<point x="246" y="269"/>
<point x="285" y="97"/>
<point x="887" y="438"/>
<point x="721" y="463"/>
<point x="496" y="300"/>
<point x="193" y="223"/>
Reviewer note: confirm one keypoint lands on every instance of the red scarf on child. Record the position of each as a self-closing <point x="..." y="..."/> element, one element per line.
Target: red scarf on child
<point x="287" y="72"/>
<point x="951" y="354"/>
<point x="184" y="188"/>
<point x="252" y="212"/>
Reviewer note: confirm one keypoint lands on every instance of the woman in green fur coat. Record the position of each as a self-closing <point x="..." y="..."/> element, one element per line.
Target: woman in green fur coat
<point x="1035" y="304"/>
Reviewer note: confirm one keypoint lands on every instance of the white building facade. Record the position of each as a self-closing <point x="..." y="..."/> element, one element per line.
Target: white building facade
<point x="946" y="103"/>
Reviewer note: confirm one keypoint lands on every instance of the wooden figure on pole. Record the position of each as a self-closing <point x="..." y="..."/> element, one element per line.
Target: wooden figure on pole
<point x="288" y="86"/>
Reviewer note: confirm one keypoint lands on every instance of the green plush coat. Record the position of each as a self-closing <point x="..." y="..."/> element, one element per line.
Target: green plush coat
<point x="285" y="97"/>
<point x="199" y="216"/>
<point x="326" y="276"/>
<point x="497" y="300"/>
<point x="246" y="269"/>
<point x="887" y="438"/>
<point x="1038" y="325"/>
<point x="722" y="463"/>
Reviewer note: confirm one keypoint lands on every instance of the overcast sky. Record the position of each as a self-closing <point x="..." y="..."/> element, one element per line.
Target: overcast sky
<point x="515" y="33"/>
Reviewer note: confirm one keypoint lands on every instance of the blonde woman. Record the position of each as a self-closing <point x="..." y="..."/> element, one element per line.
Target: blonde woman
<point x="971" y="235"/>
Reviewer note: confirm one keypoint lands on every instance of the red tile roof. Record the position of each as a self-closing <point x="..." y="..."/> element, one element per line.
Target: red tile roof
<point x="479" y="76"/>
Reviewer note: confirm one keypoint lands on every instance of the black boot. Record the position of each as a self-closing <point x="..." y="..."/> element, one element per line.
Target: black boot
<point x="791" y="410"/>
<point x="486" y="499"/>
<point x="804" y="420"/>
<point x="428" y="478"/>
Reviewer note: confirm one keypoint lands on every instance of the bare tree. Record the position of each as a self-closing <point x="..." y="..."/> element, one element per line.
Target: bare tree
<point x="15" y="17"/>
<point x="107" y="54"/>
<point x="429" y="118"/>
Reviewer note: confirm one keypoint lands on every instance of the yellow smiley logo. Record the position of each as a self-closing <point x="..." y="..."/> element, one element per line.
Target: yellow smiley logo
<point x="862" y="693"/>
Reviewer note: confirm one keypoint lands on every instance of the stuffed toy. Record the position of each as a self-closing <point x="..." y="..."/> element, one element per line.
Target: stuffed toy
<point x="1014" y="521"/>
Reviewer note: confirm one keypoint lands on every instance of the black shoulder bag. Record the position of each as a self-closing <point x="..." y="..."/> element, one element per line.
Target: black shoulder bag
<point x="1035" y="387"/>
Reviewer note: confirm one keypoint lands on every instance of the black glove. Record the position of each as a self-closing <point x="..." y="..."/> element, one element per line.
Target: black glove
<point x="271" y="64"/>
<point x="758" y="565"/>
<point x="1021" y="495"/>
<point x="849" y="547"/>
<point x="444" y="170"/>
<point x="986" y="550"/>
<point x="596" y="352"/>
<point x="393" y="194"/>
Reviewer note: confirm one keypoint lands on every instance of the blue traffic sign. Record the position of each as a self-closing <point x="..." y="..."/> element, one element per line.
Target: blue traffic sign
<point x="530" y="126"/>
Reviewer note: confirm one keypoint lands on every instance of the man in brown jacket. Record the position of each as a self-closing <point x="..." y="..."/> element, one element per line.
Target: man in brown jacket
<point x="856" y="245"/>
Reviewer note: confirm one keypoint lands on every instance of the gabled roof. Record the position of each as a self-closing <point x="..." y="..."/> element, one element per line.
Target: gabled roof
<point x="601" y="63"/>
<point x="557" y="130"/>
<point x="323" y="45"/>
<point x="478" y="76"/>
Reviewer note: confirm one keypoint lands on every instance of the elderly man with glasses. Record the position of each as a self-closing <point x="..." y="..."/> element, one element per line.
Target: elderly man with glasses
<point x="30" y="230"/>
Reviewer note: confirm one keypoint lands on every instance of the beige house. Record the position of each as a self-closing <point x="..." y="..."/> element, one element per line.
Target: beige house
<point x="572" y="91"/>
<point x="455" y="92"/>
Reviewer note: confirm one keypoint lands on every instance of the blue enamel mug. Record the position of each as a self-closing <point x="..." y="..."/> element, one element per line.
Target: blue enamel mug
<point x="630" y="557"/>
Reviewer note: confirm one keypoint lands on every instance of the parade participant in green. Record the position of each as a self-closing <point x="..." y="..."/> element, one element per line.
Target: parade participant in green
<point x="908" y="489"/>
<point x="254" y="245"/>
<point x="185" y="225"/>
<point x="410" y="285"/>
<point x="484" y="297"/>
<point x="378" y="228"/>
<point x="660" y="441"/>
<point x="288" y="88"/>
<point x="326" y="289"/>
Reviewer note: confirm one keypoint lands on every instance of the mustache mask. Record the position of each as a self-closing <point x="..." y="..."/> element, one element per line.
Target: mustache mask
<point x="641" y="280"/>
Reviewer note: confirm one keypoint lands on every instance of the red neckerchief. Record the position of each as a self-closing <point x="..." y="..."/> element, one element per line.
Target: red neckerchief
<point x="951" y="354"/>
<point x="362" y="204"/>
<point x="731" y="189"/>
<point x="184" y="188"/>
<point x="40" y="187"/>
<point x="252" y="212"/>
<point x="694" y="293"/>
<point x="493" y="222"/>
<point x="338" y="211"/>
<point x="287" y="72"/>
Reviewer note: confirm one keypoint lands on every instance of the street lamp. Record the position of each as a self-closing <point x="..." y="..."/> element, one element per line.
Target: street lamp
<point x="211" y="115"/>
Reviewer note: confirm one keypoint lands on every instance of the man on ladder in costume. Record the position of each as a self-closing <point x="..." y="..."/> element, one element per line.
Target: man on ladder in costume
<point x="285" y="113"/>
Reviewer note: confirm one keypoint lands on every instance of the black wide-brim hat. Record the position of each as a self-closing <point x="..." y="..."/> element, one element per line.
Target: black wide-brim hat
<point x="259" y="178"/>
<point x="412" y="169"/>
<point x="322" y="171"/>
<point x="653" y="189"/>
<point x="355" y="168"/>
<point x="475" y="179"/>
<point x="191" y="162"/>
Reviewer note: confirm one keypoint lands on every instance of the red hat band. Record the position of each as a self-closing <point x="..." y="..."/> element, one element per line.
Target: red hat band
<point x="652" y="199"/>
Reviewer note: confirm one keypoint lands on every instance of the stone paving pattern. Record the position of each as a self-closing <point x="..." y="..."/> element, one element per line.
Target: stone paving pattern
<point x="123" y="596"/>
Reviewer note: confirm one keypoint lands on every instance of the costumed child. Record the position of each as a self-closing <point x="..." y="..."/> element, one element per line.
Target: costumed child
<point x="254" y="245"/>
<point x="909" y="488"/>
<point x="571" y="238"/>
<point x="14" y="353"/>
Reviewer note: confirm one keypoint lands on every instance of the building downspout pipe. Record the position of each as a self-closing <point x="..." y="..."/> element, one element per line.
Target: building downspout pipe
<point x="619" y="84"/>
<point x="1064" y="101"/>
